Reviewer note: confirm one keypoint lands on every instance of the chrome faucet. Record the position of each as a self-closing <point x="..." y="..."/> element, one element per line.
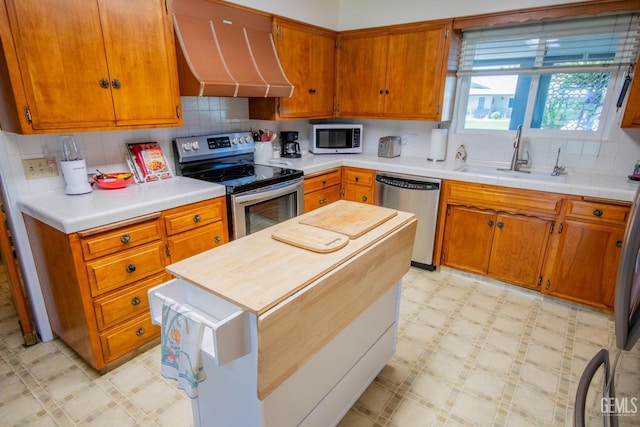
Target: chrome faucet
<point x="516" y="161"/>
<point x="558" y="170"/>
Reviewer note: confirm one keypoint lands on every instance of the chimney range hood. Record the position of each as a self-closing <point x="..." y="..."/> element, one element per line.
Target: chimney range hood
<point x="226" y="51"/>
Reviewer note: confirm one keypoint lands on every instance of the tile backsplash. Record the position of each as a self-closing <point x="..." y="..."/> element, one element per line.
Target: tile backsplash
<point x="206" y="115"/>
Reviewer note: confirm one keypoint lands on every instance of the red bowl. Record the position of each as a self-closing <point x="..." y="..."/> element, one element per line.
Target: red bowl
<point x="112" y="182"/>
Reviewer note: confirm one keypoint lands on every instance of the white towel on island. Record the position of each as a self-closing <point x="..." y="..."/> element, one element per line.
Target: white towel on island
<point x="181" y="338"/>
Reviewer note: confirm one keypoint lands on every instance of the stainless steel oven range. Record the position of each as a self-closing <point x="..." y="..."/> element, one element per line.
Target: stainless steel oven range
<point x="258" y="196"/>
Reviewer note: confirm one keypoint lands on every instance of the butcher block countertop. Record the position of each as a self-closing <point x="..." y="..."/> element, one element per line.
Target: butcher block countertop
<point x="258" y="271"/>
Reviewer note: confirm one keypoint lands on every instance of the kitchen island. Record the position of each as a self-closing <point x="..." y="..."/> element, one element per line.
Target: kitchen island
<point x="295" y="335"/>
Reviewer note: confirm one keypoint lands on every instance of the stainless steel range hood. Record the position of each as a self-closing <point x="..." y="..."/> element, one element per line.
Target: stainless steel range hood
<point x="226" y="51"/>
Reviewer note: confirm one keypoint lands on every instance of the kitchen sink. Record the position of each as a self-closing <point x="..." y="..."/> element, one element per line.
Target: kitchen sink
<point x="499" y="171"/>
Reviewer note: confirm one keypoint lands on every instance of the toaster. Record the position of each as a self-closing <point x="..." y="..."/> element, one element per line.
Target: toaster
<point x="389" y="146"/>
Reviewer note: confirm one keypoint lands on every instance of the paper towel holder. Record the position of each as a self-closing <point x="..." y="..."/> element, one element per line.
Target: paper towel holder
<point x="438" y="145"/>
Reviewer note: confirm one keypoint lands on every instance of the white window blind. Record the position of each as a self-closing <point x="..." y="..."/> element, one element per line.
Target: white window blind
<point x="576" y="45"/>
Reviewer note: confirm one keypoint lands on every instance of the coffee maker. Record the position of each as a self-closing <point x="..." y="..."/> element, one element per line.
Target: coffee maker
<point x="289" y="144"/>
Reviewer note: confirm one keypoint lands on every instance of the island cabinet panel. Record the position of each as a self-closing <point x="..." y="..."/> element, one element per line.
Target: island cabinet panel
<point x="401" y="71"/>
<point x="587" y="245"/>
<point x="307" y="56"/>
<point x="92" y="64"/>
<point x="95" y="281"/>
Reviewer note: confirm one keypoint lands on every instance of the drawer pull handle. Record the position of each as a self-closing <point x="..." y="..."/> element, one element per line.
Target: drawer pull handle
<point x="125" y="238"/>
<point x="131" y="268"/>
<point x="619" y="244"/>
<point x="548" y="284"/>
<point x="197" y="218"/>
<point x="217" y="239"/>
<point x="140" y="332"/>
<point x="597" y="212"/>
<point x="490" y="223"/>
<point x="322" y="201"/>
<point x="135" y="300"/>
<point x="365" y="198"/>
<point x="500" y="224"/>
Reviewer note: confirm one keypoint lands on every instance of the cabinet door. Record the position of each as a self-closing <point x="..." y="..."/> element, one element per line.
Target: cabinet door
<point x="362" y="67"/>
<point x="307" y="56"/>
<point x="413" y="74"/>
<point x="631" y="118"/>
<point x="518" y="249"/>
<point x="193" y="242"/>
<point x="468" y="237"/>
<point x="61" y="57"/>
<point x="138" y="41"/>
<point x="587" y="263"/>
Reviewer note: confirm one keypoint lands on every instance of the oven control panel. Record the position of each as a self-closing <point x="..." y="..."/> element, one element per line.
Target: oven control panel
<point x="193" y="148"/>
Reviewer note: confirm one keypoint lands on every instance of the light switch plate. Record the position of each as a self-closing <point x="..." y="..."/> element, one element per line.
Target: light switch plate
<point x="40" y="168"/>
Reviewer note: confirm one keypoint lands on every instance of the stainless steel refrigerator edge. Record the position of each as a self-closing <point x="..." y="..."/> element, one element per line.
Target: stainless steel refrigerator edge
<point x="417" y="195"/>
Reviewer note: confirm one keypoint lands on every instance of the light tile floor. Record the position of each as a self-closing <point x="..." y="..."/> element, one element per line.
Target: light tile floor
<point x="470" y="352"/>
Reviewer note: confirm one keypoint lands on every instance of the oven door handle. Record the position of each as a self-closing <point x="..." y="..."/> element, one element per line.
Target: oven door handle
<point x="260" y="196"/>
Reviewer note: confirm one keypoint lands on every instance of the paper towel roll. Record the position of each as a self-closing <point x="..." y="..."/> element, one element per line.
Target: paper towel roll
<point x="438" y="147"/>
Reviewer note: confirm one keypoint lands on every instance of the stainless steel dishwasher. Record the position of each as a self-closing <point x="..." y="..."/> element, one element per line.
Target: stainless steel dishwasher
<point x="420" y="196"/>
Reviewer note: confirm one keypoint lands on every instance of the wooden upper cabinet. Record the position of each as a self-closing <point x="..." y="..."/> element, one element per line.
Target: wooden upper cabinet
<point x="92" y="64"/>
<point x="631" y="118"/>
<point x="400" y="72"/>
<point x="307" y="56"/>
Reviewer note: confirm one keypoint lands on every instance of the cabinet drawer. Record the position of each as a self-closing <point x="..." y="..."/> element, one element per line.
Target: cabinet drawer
<point x="322" y="181"/>
<point x="122" y="238"/>
<point x="320" y="198"/>
<point x="599" y="212"/>
<point x="512" y="200"/>
<point x="195" y="215"/>
<point x="193" y="242"/>
<point x="358" y="176"/>
<point x="128" y="337"/>
<point x="127" y="267"/>
<point x="113" y="308"/>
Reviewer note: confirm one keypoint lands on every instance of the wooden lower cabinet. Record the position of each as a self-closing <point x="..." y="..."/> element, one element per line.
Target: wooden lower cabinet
<point x="562" y="245"/>
<point x="95" y="281"/>
<point x="587" y="247"/>
<point x="358" y="184"/>
<point x="507" y="247"/>
<point x="347" y="183"/>
<point x="322" y="189"/>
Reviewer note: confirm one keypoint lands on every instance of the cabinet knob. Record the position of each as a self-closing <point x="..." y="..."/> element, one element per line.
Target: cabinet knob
<point x="619" y="244"/>
<point x="140" y="332"/>
<point x="197" y="218"/>
<point x="312" y="91"/>
<point x="548" y="285"/>
<point x="116" y="84"/>
<point x="135" y="300"/>
<point x="104" y="83"/>
<point x="490" y="223"/>
<point x="324" y="182"/>
<point x="500" y="224"/>
<point x="381" y="91"/>
<point x="217" y="239"/>
<point x="357" y="178"/>
<point x="597" y="212"/>
<point x="365" y="198"/>
<point x="131" y="268"/>
<point x="322" y="201"/>
<point x="386" y="92"/>
<point x="125" y="238"/>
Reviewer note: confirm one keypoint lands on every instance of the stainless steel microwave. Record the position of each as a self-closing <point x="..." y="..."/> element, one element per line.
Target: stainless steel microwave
<point x="336" y="138"/>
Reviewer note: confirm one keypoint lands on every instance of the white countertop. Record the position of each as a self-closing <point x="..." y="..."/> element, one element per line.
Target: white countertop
<point x="100" y="207"/>
<point x="80" y="212"/>
<point x="606" y="186"/>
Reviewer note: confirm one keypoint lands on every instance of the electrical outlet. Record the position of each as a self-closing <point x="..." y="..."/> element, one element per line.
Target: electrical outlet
<point x="40" y="168"/>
